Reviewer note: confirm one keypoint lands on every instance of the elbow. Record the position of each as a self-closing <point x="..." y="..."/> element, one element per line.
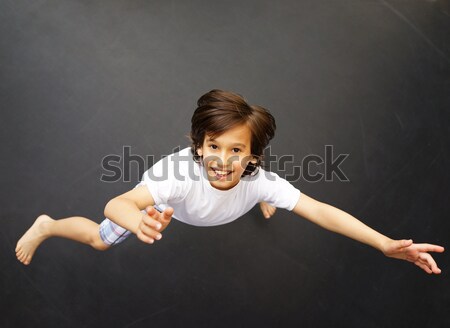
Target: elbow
<point x="108" y="207"/>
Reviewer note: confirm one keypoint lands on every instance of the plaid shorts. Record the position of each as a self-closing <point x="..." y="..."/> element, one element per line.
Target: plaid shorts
<point x="112" y="233"/>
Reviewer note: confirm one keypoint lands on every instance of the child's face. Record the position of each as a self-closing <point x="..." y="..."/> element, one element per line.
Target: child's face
<point x="226" y="156"/>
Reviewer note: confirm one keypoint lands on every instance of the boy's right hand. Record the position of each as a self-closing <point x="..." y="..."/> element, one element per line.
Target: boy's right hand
<point x="153" y="223"/>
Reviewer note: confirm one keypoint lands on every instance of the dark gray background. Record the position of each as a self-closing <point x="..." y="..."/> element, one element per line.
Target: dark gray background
<point x="82" y="79"/>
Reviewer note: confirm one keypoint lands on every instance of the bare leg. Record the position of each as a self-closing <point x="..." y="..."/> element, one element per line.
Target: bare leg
<point x="76" y="228"/>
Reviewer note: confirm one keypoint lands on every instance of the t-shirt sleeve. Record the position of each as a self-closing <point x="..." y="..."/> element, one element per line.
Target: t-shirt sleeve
<point x="166" y="182"/>
<point x="277" y="191"/>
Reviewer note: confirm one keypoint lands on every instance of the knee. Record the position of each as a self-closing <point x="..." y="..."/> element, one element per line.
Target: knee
<point x="100" y="245"/>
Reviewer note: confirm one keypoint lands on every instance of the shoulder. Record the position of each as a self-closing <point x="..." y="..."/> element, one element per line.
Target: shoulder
<point x="178" y="164"/>
<point x="169" y="178"/>
<point x="275" y="190"/>
<point x="264" y="177"/>
<point x="262" y="183"/>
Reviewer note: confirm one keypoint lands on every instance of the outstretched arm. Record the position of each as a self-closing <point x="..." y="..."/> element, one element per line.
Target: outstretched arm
<point x="336" y="220"/>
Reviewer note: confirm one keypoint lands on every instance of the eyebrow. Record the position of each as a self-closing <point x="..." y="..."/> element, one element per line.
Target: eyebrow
<point x="235" y="144"/>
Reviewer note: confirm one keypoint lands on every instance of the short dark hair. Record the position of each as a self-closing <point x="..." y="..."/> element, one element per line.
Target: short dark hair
<point x="219" y="111"/>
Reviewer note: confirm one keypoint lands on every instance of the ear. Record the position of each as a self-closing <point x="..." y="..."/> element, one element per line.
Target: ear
<point x="254" y="160"/>
<point x="199" y="151"/>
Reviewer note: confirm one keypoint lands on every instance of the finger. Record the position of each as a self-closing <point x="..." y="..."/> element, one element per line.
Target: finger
<point x="432" y="266"/>
<point x="400" y="245"/>
<point x="150" y="232"/>
<point x="405" y="243"/>
<point x="151" y="222"/>
<point x="429" y="260"/>
<point x="144" y="238"/>
<point x="152" y="212"/>
<point x="429" y="248"/>
<point x="167" y="214"/>
<point x="156" y="215"/>
<point x="423" y="267"/>
<point x="437" y="271"/>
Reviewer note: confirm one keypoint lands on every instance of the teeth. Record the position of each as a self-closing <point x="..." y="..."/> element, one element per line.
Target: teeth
<point x="222" y="172"/>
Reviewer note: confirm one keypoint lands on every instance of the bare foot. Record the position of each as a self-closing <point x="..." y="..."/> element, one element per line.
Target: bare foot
<point x="30" y="241"/>
<point x="267" y="210"/>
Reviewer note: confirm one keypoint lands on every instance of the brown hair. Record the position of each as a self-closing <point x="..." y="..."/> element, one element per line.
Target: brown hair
<point x="219" y="111"/>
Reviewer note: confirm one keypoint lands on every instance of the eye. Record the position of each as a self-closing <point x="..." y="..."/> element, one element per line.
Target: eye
<point x="214" y="147"/>
<point x="236" y="150"/>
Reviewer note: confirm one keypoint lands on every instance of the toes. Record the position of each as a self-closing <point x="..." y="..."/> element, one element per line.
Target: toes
<point x="20" y="257"/>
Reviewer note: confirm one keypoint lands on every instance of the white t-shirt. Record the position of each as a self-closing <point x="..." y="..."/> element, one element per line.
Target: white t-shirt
<point x="179" y="182"/>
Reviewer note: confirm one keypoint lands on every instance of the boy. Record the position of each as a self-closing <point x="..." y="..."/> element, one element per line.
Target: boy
<point x="215" y="181"/>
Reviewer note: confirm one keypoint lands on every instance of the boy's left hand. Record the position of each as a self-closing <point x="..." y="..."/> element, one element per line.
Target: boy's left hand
<point x="416" y="253"/>
<point x="267" y="210"/>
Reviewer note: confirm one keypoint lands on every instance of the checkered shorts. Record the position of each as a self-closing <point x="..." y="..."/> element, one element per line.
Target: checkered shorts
<point x="112" y="233"/>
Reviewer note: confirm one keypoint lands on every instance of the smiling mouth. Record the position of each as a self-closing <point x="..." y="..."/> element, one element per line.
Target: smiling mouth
<point x="221" y="174"/>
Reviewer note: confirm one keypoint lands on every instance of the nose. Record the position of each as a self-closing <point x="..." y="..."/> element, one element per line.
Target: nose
<point x="225" y="159"/>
